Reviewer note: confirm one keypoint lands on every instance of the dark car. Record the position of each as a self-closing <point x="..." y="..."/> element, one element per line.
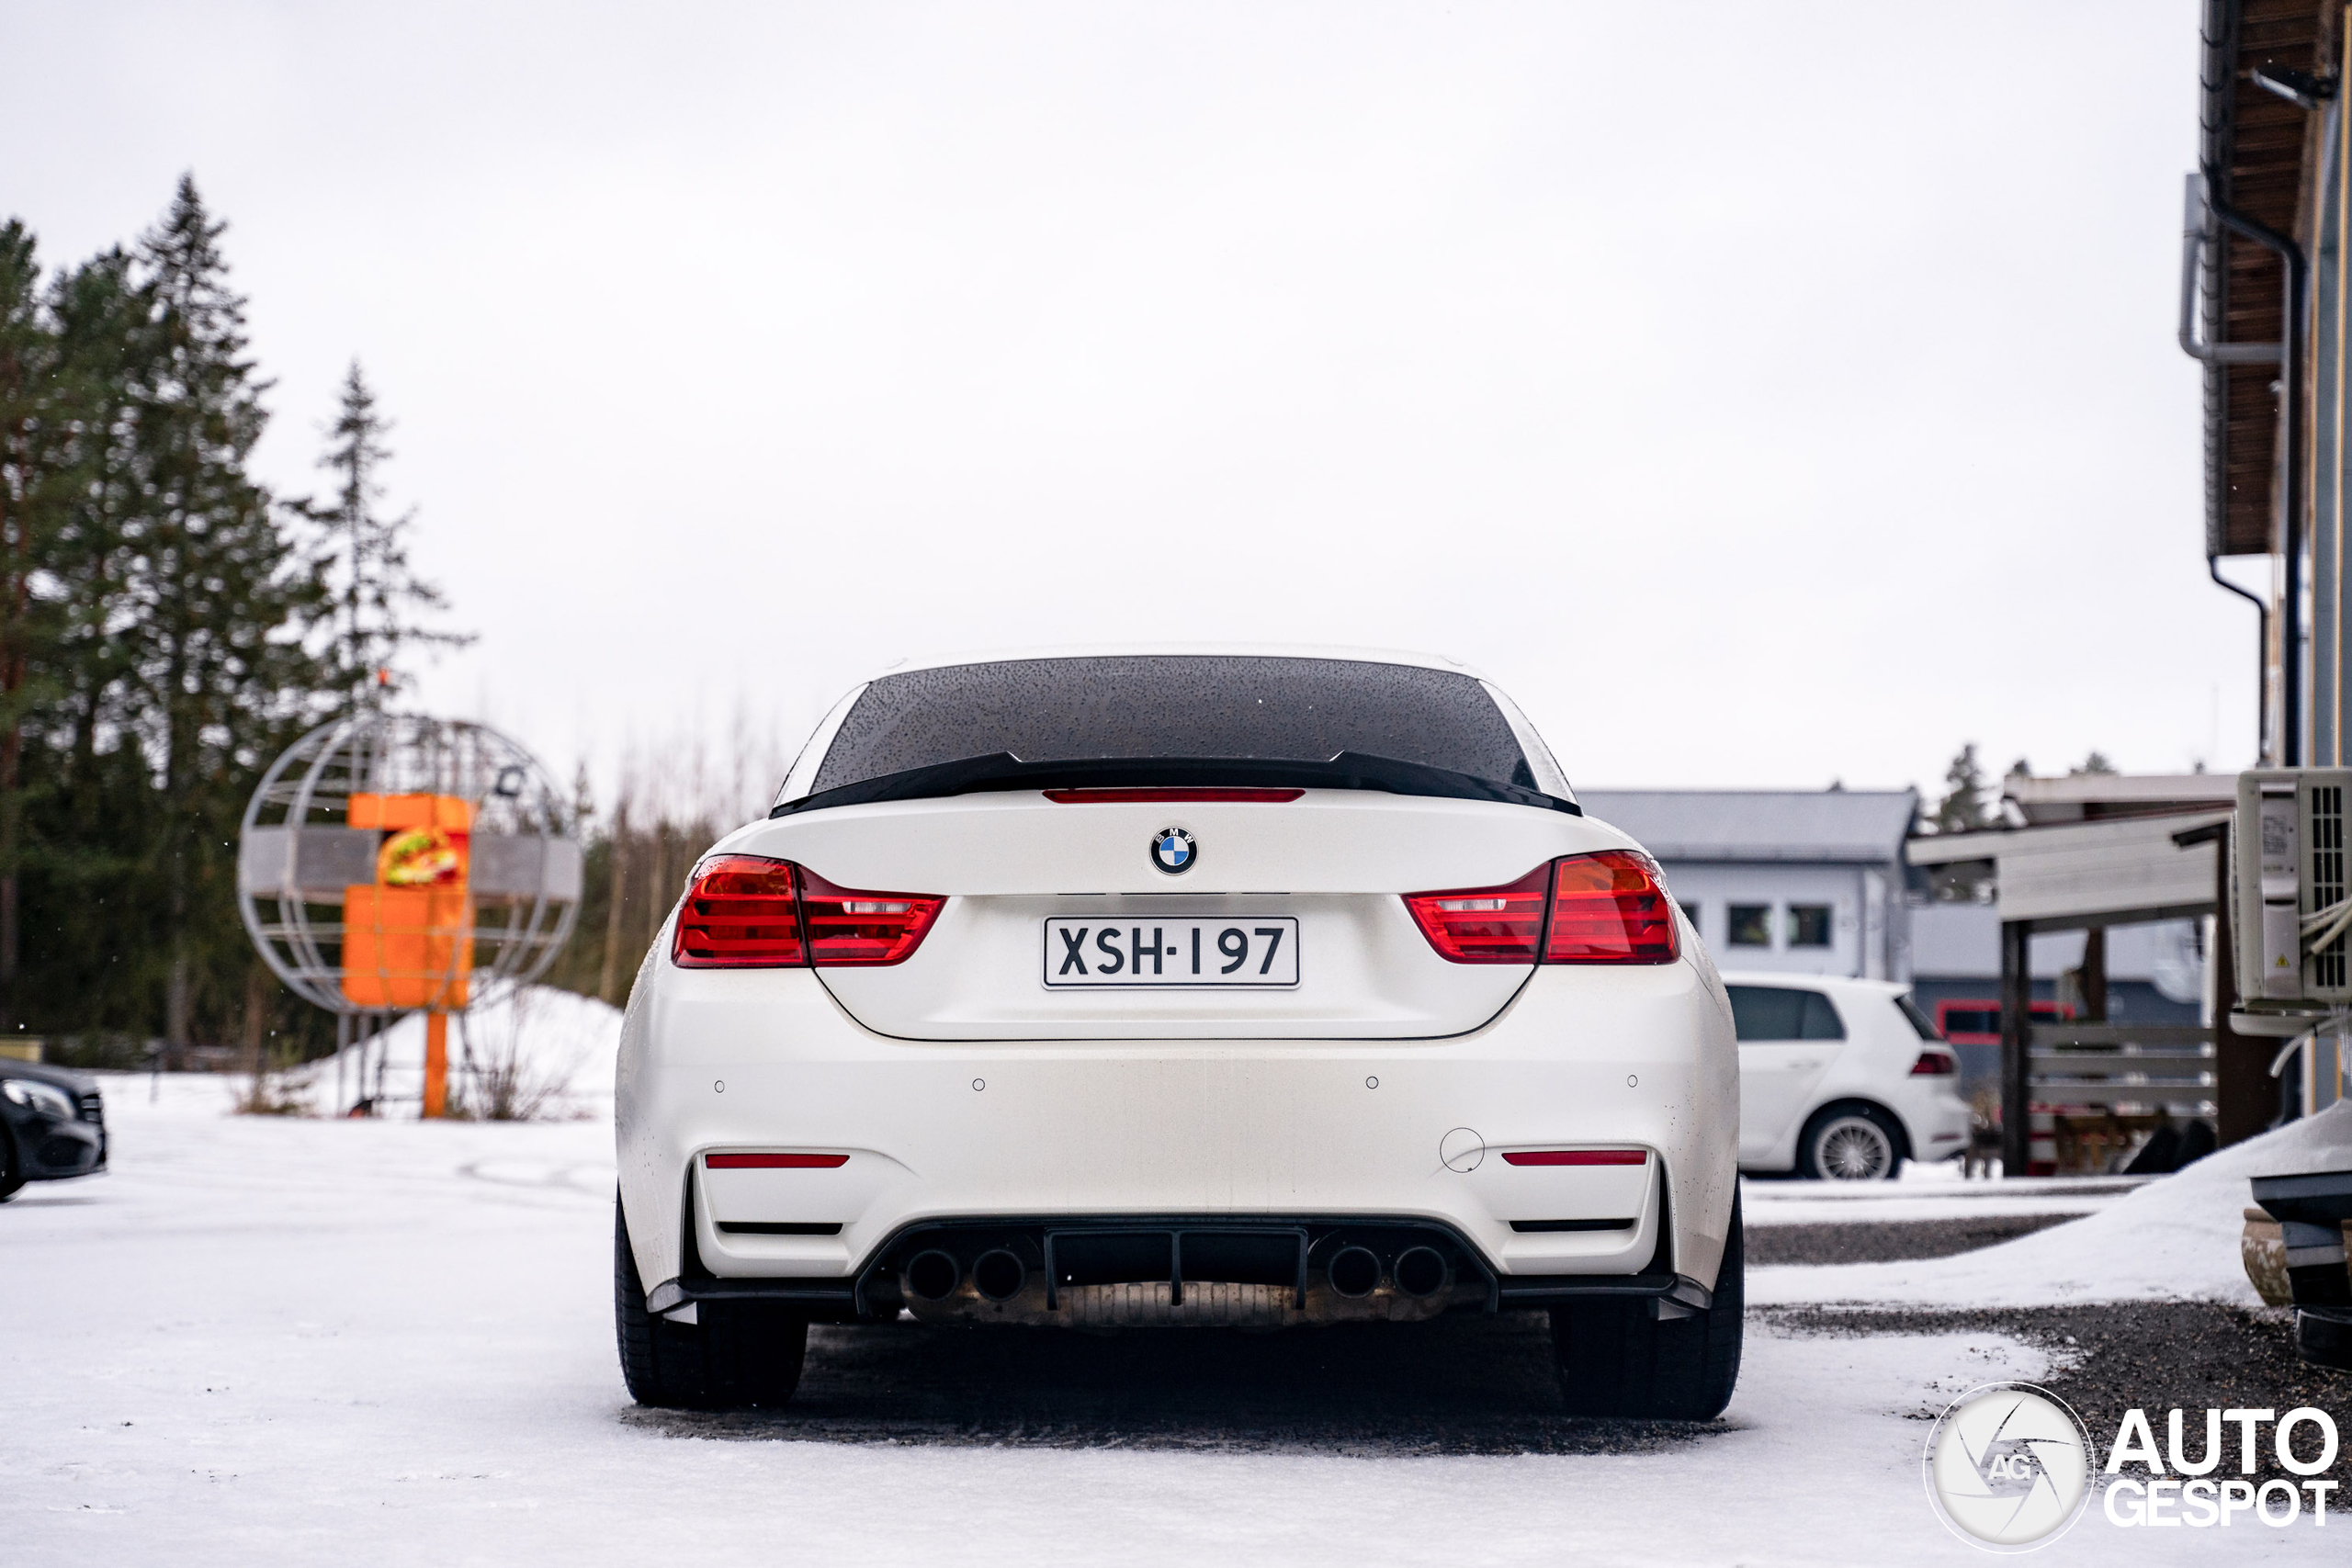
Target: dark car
<point x="52" y="1125"/>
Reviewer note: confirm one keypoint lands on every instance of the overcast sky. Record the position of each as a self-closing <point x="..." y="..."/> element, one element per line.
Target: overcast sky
<point x="1764" y="394"/>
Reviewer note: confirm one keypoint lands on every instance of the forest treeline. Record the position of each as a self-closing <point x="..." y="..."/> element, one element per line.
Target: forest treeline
<point x="167" y="626"/>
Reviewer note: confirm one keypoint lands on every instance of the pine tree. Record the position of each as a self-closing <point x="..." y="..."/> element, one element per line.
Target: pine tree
<point x="218" y="585"/>
<point x="1967" y="804"/>
<point x="57" y="410"/>
<point x="165" y="630"/>
<point x="2096" y="763"/>
<point x="100" y="315"/>
<point x="379" y="598"/>
<point x="27" y="355"/>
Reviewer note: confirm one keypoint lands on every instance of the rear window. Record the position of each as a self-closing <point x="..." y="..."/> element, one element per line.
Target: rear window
<point x="1920" y="1023"/>
<point x="1783" y="1012"/>
<point x="1182" y="706"/>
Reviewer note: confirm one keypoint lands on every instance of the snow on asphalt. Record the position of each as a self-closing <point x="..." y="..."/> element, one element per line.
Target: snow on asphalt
<point x="2172" y="1239"/>
<point x="295" y="1341"/>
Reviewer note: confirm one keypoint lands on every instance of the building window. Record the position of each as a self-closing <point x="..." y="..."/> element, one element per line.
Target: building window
<point x="1690" y="911"/>
<point x="1751" y="925"/>
<point x="1808" y="925"/>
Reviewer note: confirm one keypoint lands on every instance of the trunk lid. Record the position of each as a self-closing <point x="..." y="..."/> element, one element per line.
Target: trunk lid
<point x="1022" y="872"/>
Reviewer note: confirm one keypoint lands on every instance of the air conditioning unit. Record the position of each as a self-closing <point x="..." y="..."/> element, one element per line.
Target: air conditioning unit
<point x="2293" y="901"/>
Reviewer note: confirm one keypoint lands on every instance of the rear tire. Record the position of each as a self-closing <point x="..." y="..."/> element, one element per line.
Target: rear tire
<point x="12" y="1174"/>
<point x="741" y="1354"/>
<point x="1850" y="1141"/>
<point x="1615" y="1359"/>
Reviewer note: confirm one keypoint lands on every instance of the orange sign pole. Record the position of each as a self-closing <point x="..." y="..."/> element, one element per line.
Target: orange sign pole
<point x="436" y="1063"/>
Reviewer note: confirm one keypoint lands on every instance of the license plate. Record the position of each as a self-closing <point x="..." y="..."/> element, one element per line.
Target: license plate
<point x="1254" y="951"/>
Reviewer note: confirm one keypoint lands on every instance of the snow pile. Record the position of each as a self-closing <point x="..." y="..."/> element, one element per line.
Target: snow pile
<point x="2171" y="1239"/>
<point x="536" y="1054"/>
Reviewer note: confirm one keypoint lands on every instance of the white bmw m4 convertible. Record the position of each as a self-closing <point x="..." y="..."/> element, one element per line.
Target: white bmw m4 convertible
<point x="1178" y="987"/>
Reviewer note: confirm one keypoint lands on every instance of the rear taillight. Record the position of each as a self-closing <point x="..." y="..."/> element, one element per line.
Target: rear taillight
<point x="1485" y="925"/>
<point x="1935" y="1065"/>
<point x="1610" y="908"/>
<point x="742" y="912"/>
<point x="847" y="927"/>
<point x="751" y="912"/>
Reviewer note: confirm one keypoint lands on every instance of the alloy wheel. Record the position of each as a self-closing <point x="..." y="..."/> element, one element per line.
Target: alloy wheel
<point x="1853" y="1148"/>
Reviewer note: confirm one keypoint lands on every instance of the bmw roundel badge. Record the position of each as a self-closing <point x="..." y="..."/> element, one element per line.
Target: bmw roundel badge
<point x="1173" y="851"/>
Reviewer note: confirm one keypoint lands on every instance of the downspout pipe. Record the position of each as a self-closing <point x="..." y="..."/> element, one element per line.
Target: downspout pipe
<point x="2201" y="212"/>
<point x="2196" y="219"/>
<point x="2291" y="597"/>
<point x="2261" y="613"/>
<point x="2194" y="211"/>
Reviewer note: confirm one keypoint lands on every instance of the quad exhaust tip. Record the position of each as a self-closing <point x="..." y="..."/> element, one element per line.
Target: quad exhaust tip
<point x="1353" y="1271"/>
<point x="933" y="1275"/>
<point x="1420" y="1271"/>
<point x="999" y="1274"/>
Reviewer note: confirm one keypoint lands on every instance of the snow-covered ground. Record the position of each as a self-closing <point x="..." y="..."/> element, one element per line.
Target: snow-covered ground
<point x="279" y="1340"/>
<point x="1930" y="1192"/>
<point x="553" y="1050"/>
<point x="2174" y="1239"/>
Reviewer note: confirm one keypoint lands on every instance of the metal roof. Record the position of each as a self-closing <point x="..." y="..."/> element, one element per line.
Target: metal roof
<point x="2255" y="146"/>
<point x="1846" y="826"/>
<point x="2075" y="874"/>
<point x="2077" y="797"/>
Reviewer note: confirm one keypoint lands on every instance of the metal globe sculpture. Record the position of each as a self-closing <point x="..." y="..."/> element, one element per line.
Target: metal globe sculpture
<point x="392" y="861"/>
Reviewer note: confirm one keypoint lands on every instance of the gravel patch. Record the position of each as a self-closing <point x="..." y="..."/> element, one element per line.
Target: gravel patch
<point x="1887" y="1241"/>
<point x="2151" y="1356"/>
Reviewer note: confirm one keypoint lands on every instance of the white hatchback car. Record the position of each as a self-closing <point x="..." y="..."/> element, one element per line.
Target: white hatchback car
<point x="1163" y="987"/>
<point x="1843" y="1079"/>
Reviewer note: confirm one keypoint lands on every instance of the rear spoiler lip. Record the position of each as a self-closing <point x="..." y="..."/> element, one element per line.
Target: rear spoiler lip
<point x="1002" y="770"/>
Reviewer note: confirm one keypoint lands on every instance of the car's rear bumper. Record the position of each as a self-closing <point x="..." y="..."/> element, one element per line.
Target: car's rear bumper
<point x="1309" y="1132"/>
<point x="1934" y="1117"/>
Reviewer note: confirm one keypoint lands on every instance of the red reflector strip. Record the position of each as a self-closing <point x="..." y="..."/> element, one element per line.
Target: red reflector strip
<point x="1129" y="796"/>
<point x="773" y="1162"/>
<point x="1579" y="1157"/>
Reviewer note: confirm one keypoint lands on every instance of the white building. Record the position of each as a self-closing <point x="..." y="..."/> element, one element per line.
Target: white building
<point x="1812" y="881"/>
